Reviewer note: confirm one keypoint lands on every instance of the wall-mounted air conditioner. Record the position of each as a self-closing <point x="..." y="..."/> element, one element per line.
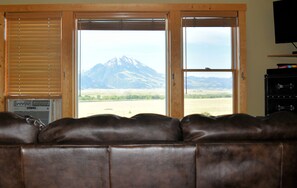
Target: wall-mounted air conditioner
<point x="47" y="110"/>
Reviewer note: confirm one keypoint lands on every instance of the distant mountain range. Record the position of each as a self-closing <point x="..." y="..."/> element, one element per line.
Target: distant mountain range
<point x="128" y="73"/>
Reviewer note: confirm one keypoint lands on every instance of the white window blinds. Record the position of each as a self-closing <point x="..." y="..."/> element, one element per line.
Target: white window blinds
<point x="33" y="54"/>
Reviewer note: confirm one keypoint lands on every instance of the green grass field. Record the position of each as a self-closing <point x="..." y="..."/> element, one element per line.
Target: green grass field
<point x="128" y="108"/>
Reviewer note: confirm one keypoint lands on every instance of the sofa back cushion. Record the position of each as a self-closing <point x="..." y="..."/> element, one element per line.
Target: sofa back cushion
<point x="15" y="129"/>
<point x="280" y="126"/>
<point x="112" y="128"/>
<point x="197" y="127"/>
<point x="240" y="127"/>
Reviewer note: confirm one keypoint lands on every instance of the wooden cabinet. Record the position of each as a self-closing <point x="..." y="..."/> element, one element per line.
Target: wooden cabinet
<point x="280" y="90"/>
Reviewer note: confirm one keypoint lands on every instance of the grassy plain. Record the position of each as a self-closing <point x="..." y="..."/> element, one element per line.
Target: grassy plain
<point x="128" y="108"/>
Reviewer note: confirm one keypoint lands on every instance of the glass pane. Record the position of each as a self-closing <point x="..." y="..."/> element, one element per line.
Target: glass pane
<point x="121" y="72"/>
<point x="208" y="93"/>
<point x="207" y="47"/>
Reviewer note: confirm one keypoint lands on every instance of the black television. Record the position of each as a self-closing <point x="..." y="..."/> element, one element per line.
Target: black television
<point x="285" y="18"/>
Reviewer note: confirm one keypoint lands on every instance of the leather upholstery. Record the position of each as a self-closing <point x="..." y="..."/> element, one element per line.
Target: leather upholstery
<point x="239" y="127"/>
<point x="289" y="165"/>
<point x="110" y="128"/>
<point x="166" y="166"/>
<point x="10" y="167"/>
<point x="150" y="150"/>
<point x="65" y="166"/>
<point x="198" y="127"/>
<point x="239" y="165"/>
<point x="14" y="129"/>
<point x="280" y="126"/>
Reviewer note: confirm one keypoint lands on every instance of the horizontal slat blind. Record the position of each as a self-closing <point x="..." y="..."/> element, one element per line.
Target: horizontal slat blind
<point x="127" y="24"/>
<point x="209" y="22"/>
<point x="33" y="54"/>
<point x="121" y="21"/>
<point x="210" y="19"/>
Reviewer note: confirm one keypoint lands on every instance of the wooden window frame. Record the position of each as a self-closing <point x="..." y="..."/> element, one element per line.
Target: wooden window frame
<point x="174" y="46"/>
<point x="125" y="16"/>
<point x="219" y="19"/>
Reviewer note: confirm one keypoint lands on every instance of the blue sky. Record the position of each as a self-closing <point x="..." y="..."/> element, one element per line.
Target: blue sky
<point x="146" y="47"/>
<point x="206" y="47"/>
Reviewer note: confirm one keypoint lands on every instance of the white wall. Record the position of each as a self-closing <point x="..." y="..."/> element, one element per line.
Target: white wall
<point x="260" y="40"/>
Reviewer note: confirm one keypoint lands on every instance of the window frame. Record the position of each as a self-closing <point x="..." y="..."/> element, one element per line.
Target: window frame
<point x="228" y="18"/>
<point x="175" y="82"/>
<point x="116" y="16"/>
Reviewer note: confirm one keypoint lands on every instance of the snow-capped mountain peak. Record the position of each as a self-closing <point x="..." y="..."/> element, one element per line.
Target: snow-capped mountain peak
<point x="123" y="61"/>
<point x="122" y="72"/>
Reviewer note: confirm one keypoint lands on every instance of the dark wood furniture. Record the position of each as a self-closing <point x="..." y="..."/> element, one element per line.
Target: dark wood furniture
<point x="280" y="90"/>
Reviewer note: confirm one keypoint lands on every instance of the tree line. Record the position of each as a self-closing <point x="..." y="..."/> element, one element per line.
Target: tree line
<point x="98" y="98"/>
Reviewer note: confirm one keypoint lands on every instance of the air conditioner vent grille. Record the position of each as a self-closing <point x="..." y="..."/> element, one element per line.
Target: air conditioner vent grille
<point x="47" y="110"/>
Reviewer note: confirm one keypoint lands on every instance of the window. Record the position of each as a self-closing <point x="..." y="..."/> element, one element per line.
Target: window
<point x="51" y="59"/>
<point x="209" y="63"/>
<point x="33" y="54"/>
<point x="121" y="65"/>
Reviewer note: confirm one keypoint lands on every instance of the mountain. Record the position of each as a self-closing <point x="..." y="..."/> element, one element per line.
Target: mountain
<point x="128" y="73"/>
<point x="122" y="73"/>
<point x="208" y="83"/>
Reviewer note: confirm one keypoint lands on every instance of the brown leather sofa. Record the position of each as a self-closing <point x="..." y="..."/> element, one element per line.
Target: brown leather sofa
<point x="148" y="151"/>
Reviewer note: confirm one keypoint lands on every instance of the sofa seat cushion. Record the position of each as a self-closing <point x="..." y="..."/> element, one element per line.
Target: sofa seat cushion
<point x="112" y="128"/>
<point x="16" y="129"/>
<point x="279" y="126"/>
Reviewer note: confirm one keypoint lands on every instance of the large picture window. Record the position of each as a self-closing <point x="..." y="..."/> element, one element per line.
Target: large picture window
<point x="121" y="66"/>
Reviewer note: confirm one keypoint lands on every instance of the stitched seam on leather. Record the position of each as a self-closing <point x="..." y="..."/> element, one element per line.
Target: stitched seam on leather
<point x="109" y="165"/>
<point x="196" y="168"/>
<point x="22" y="165"/>
<point x="281" y="165"/>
